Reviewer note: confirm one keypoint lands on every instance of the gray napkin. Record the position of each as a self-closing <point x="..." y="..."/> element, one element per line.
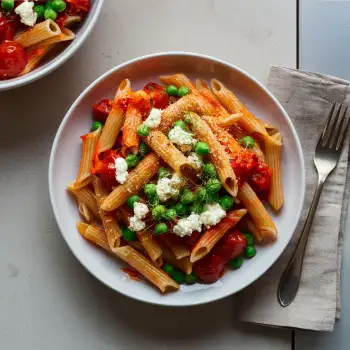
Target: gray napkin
<point x="307" y="98"/>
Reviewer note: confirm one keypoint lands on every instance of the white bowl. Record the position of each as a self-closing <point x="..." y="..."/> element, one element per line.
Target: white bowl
<point x="81" y="33"/>
<point x="64" y="164"/>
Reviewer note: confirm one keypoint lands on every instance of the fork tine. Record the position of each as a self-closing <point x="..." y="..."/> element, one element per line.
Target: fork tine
<point x="338" y="127"/>
<point x="332" y="126"/>
<point x="327" y="124"/>
<point x="342" y="139"/>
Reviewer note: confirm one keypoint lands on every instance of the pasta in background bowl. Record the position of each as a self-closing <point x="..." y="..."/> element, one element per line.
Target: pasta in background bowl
<point x="95" y="201"/>
<point x="37" y="36"/>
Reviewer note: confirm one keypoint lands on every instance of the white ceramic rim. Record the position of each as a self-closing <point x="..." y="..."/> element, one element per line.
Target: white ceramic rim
<point x="61" y="58"/>
<point x="160" y="54"/>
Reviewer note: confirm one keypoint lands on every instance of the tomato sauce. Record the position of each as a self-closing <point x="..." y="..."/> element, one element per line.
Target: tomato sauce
<point x="211" y="268"/>
<point x="77" y="7"/>
<point x="101" y="110"/>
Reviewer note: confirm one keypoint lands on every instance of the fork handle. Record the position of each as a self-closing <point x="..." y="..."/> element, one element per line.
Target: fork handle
<point x="289" y="283"/>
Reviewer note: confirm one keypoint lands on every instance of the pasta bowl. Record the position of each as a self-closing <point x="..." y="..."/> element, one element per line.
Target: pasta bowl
<point x="58" y="55"/>
<point x="65" y="159"/>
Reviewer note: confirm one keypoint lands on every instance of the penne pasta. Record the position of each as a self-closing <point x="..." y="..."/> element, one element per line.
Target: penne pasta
<point x="248" y="122"/>
<point x="85" y="196"/>
<point x="114" y="121"/>
<point x="153" y="274"/>
<point x="110" y="225"/>
<point x="248" y="223"/>
<point x="257" y="211"/>
<point x="152" y="247"/>
<point x="217" y="154"/>
<point x="40" y="32"/>
<point x="179" y="80"/>
<point x="170" y="154"/>
<point x="134" y="183"/>
<point x="210" y="237"/>
<point x="183" y="264"/>
<point x="65" y="35"/>
<point x="273" y="160"/>
<point x="133" y="119"/>
<point x="85" y="212"/>
<point x="35" y="55"/>
<point x="178" y="248"/>
<point x="94" y="234"/>
<point x="89" y="143"/>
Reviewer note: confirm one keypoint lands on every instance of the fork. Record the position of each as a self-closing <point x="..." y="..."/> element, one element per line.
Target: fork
<point x="327" y="154"/>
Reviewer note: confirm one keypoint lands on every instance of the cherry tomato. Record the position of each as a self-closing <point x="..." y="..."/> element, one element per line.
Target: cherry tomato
<point x="78" y="7"/>
<point x="101" y="110"/>
<point x="13" y="59"/>
<point x="210" y="268"/>
<point x="8" y="26"/>
<point x="244" y="164"/>
<point x="158" y="95"/>
<point x="231" y="245"/>
<point x="260" y="180"/>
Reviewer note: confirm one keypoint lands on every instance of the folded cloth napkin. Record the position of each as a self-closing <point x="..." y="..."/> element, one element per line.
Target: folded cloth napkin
<point x="307" y="98"/>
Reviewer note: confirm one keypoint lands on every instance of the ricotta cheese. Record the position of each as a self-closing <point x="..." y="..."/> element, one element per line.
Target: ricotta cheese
<point x="186" y="226"/>
<point x="167" y="188"/>
<point x="140" y="210"/>
<point x="121" y="170"/>
<point x="181" y="137"/>
<point x="136" y="224"/>
<point x="27" y="14"/>
<point x="154" y="118"/>
<point x="195" y="160"/>
<point x="212" y="215"/>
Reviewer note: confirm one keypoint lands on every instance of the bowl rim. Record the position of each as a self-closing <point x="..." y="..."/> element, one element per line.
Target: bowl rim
<point x="161" y="301"/>
<point x="58" y="60"/>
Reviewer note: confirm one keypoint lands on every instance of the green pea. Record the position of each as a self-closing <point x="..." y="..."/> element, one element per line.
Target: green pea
<point x="128" y="234"/>
<point x="164" y="172"/>
<point x="170" y="214"/>
<point x="158" y="211"/>
<point x="213" y="185"/>
<point x="7" y="5"/>
<point x="249" y="251"/>
<point x="213" y="197"/>
<point x="48" y="4"/>
<point x="188" y="118"/>
<point x="143" y="149"/>
<point x="201" y="148"/>
<point x="132" y="160"/>
<point x="143" y="130"/>
<point x="191" y="278"/>
<point x="181" y="209"/>
<point x="181" y="124"/>
<point x="209" y="171"/>
<point x="168" y="268"/>
<point x="50" y="14"/>
<point x="161" y="228"/>
<point x="237" y="263"/>
<point x="247" y="141"/>
<point x="187" y="197"/>
<point x="249" y="237"/>
<point x="95" y="125"/>
<point x="178" y="276"/>
<point x="150" y="190"/>
<point x="182" y="91"/>
<point x="132" y="200"/>
<point x="201" y="195"/>
<point x="226" y="202"/>
<point x="196" y="208"/>
<point x="40" y="10"/>
<point x="171" y="90"/>
<point x="58" y="5"/>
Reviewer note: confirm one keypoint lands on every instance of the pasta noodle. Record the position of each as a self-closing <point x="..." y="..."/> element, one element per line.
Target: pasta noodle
<point x="89" y="144"/>
<point x="85" y="196"/>
<point x="217" y="154"/>
<point x="170" y="154"/>
<point x="183" y="264"/>
<point x="213" y="235"/>
<point x="40" y="32"/>
<point x="273" y="160"/>
<point x="134" y="183"/>
<point x="35" y="56"/>
<point x="140" y="263"/>
<point x="152" y="247"/>
<point x="179" y="249"/>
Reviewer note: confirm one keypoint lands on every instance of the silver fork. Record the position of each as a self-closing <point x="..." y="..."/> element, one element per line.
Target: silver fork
<point x="327" y="154"/>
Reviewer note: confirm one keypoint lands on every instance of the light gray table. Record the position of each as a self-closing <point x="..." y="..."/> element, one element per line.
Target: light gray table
<point x="47" y="299"/>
